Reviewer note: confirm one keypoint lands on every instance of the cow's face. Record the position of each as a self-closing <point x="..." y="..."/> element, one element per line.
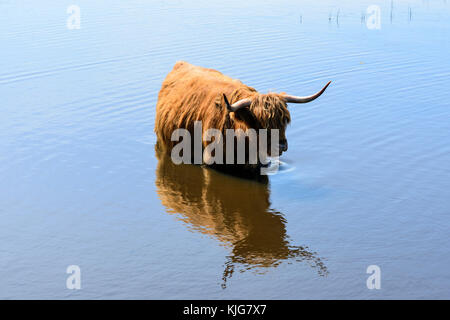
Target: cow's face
<point x="267" y="111"/>
<point x="273" y="114"/>
<point x="282" y="141"/>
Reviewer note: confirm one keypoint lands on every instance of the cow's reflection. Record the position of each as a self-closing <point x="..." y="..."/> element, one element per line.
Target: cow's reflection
<point x="235" y="211"/>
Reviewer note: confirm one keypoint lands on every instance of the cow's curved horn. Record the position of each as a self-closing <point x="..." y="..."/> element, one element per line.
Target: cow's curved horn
<point x="295" y="99"/>
<point x="238" y="104"/>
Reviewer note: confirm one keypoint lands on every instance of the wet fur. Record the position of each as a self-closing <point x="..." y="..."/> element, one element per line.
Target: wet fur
<point x="191" y="93"/>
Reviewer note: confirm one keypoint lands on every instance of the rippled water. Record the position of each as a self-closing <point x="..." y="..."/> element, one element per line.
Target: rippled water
<point x="365" y="182"/>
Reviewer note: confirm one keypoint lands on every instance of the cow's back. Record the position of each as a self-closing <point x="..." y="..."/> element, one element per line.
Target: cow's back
<point x="192" y="93"/>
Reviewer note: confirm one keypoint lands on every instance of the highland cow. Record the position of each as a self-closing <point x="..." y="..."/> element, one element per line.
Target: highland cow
<point x="192" y="94"/>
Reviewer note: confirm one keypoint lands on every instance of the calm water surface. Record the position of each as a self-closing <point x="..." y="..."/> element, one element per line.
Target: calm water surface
<point x="366" y="180"/>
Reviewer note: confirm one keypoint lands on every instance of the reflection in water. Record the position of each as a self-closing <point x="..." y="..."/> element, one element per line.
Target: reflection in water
<point x="234" y="211"/>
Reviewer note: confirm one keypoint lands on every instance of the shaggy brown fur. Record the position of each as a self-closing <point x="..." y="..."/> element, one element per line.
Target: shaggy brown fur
<point x="191" y="93"/>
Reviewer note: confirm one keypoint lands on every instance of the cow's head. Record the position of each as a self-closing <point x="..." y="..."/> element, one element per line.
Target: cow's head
<point x="268" y="111"/>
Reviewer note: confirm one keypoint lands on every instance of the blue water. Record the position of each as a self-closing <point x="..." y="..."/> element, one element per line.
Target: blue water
<point x="365" y="182"/>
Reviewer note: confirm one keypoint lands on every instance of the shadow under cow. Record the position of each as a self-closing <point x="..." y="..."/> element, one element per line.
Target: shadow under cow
<point x="234" y="211"/>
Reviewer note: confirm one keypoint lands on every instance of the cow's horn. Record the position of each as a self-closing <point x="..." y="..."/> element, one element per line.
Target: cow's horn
<point x="295" y="99"/>
<point x="238" y="104"/>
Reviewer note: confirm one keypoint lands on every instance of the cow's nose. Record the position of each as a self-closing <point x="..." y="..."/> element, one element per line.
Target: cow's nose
<point x="283" y="145"/>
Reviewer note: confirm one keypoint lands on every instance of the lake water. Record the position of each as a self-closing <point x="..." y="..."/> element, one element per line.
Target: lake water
<point x="366" y="180"/>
